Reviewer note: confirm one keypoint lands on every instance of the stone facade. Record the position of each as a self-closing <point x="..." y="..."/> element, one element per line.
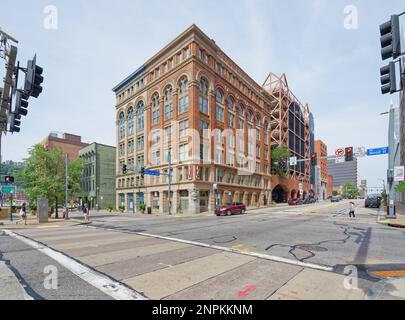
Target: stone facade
<point x="322" y="151"/>
<point x="98" y="179"/>
<point x="167" y="107"/>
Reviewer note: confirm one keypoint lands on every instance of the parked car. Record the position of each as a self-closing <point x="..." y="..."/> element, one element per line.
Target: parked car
<point x="335" y="199"/>
<point x="300" y="202"/>
<point x="230" y="209"/>
<point x="373" y="201"/>
<point x="310" y="201"/>
<point x="293" y="202"/>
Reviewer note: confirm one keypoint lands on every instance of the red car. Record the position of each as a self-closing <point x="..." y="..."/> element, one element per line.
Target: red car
<point x="293" y="202"/>
<point x="230" y="209"/>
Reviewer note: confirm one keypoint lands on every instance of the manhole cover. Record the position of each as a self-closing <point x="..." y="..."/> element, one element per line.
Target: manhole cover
<point x="313" y="248"/>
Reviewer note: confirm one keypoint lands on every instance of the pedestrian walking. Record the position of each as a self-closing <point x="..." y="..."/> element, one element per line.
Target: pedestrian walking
<point x="23" y="214"/>
<point x="352" y="209"/>
<point x="86" y="212"/>
<point x="64" y="212"/>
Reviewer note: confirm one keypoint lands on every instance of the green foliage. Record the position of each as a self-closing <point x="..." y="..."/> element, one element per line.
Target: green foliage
<point x="142" y="207"/>
<point x="33" y="206"/>
<point x="11" y="168"/>
<point x="276" y="154"/>
<point x="400" y="188"/>
<point x="350" y="191"/>
<point x="44" y="174"/>
<point x="335" y="193"/>
<point x="110" y="207"/>
<point x="384" y="197"/>
<point x="122" y="208"/>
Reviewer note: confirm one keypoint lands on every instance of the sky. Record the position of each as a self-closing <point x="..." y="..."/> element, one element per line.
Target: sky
<point x="329" y="50"/>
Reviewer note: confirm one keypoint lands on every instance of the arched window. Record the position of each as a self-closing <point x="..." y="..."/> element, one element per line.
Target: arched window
<point x="249" y="116"/>
<point x="219" y="106"/>
<point x="140" y="116"/>
<point x="168" y="103"/>
<point x="241" y="119"/>
<point x="130" y="122"/>
<point x="122" y="125"/>
<point x="266" y="133"/>
<point x="257" y="125"/>
<point x="183" y="95"/>
<point x="231" y="115"/>
<point x="155" y="109"/>
<point x="230" y="103"/>
<point x="203" y="96"/>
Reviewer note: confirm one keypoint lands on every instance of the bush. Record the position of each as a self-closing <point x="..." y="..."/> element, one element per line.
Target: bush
<point x="33" y="207"/>
<point x="142" y="207"/>
<point x="122" y="208"/>
<point x="110" y="207"/>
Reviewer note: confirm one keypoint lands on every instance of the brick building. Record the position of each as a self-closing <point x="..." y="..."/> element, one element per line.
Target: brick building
<point x="191" y="103"/>
<point x="67" y="143"/>
<point x="321" y="150"/>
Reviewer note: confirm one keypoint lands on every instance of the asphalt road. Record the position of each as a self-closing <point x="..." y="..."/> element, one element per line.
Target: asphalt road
<point x="321" y="234"/>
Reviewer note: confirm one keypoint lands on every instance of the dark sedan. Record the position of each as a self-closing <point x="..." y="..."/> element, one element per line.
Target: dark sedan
<point x="373" y="202"/>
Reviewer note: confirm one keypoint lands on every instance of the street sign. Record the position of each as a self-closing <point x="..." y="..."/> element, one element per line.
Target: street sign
<point x="7" y="189"/>
<point x="399" y="174"/>
<point x="378" y="151"/>
<point x="360" y="152"/>
<point x="293" y="161"/>
<point x="152" y="173"/>
<point x="340" y="153"/>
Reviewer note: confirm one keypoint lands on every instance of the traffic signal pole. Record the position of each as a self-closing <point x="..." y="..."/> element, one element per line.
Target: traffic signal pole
<point x="391" y="165"/>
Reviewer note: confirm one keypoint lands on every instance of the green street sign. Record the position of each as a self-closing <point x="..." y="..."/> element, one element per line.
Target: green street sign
<point x="7" y="189"/>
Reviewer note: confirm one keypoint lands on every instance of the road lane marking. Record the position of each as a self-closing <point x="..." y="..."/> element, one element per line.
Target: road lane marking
<point x="114" y="289"/>
<point x="389" y="274"/>
<point x="226" y="249"/>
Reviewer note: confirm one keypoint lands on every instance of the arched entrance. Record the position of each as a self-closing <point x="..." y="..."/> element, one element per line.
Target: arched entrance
<point x="279" y="194"/>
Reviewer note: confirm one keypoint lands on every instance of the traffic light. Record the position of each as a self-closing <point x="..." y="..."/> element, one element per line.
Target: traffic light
<point x="33" y="78"/>
<point x="314" y="159"/>
<point x="349" y="154"/>
<point x="124" y="169"/>
<point x="143" y="173"/>
<point x="9" y="179"/>
<point x="388" y="79"/>
<point x="390" y="38"/>
<point x="15" y="123"/>
<point x="21" y="103"/>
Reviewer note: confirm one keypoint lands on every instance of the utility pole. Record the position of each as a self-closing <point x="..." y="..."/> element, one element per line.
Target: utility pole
<point x="67" y="188"/>
<point x="391" y="165"/>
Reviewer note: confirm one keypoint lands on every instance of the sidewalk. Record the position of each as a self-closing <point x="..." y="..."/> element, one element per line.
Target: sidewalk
<point x="32" y="223"/>
<point x="395" y="223"/>
<point x="11" y="289"/>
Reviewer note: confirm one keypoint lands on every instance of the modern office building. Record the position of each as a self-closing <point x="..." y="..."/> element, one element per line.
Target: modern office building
<point x="191" y="103"/>
<point x="321" y="149"/>
<point x="343" y="173"/>
<point x="67" y="143"/>
<point x="98" y="178"/>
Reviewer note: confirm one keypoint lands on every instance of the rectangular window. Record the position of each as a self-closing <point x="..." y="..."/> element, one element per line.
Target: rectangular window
<point x="168" y="134"/>
<point x="183" y="152"/>
<point x="220" y="113"/>
<point x="183" y="104"/>
<point x="140" y="143"/>
<point x="140" y="161"/>
<point x="155" y="158"/>
<point x="183" y="127"/>
<point x="231" y="122"/>
<point x="155" y="137"/>
<point x="187" y="53"/>
<point x="156" y="117"/>
<point x="169" y="111"/>
<point x="179" y="58"/>
<point x="203" y="105"/>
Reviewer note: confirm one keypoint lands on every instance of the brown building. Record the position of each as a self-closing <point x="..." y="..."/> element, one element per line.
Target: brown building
<point x="192" y="101"/>
<point x="321" y="150"/>
<point x="290" y="125"/>
<point x="67" y="143"/>
<point x="329" y="186"/>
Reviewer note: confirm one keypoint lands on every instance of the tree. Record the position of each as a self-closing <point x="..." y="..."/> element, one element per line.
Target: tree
<point x="44" y="175"/>
<point x="277" y="168"/>
<point x="350" y="191"/>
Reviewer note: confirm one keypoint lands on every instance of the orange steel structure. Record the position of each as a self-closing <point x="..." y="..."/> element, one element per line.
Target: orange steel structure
<point x="288" y="113"/>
